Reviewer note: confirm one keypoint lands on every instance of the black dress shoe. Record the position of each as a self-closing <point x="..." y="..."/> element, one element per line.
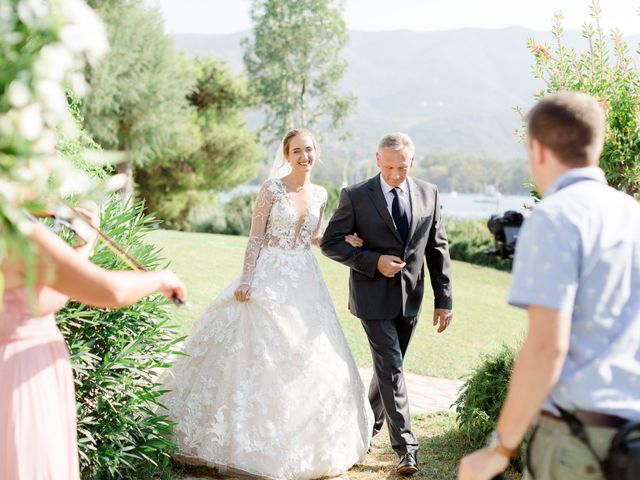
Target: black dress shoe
<point x="408" y="464"/>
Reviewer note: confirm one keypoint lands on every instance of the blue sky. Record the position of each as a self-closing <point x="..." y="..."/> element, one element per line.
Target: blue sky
<point x="227" y="16"/>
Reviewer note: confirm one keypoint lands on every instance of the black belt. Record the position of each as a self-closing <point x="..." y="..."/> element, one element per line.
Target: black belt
<point x="592" y="419"/>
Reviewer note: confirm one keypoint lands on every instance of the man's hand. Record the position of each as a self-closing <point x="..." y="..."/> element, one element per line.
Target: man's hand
<point x="443" y="317"/>
<point x="482" y="464"/>
<point x="389" y="265"/>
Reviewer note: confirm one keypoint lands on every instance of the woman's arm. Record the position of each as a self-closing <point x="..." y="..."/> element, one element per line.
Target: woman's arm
<point x="257" y="236"/>
<point x="64" y="270"/>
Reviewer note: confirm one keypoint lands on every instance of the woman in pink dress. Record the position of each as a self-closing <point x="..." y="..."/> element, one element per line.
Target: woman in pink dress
<point x="37" y="400"/>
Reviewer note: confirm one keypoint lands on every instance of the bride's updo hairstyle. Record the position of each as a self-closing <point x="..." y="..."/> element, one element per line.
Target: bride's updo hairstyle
<point x="286" y="141"/>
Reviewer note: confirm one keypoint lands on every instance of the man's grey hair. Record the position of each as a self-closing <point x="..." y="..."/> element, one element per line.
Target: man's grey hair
<point x="397" y="141"/>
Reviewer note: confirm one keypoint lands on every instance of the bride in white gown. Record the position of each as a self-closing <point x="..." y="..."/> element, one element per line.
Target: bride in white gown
<point x="269" y="387"/>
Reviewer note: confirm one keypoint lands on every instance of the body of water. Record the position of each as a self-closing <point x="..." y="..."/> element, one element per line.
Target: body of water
<point x="458" y="205"/>
<point x="479" y="206"/>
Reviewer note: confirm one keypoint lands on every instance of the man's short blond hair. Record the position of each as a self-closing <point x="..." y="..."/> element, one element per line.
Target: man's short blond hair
<point x="397" y="141"/>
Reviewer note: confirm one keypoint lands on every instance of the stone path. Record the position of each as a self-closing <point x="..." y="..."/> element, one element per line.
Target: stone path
<point x="426" y="395"/>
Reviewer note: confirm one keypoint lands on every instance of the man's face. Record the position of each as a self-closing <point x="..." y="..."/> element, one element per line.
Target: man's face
<point x="394" y="165"/>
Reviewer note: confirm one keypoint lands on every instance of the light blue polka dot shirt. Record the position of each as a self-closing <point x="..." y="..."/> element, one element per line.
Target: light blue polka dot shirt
<point x="579" y="251"/>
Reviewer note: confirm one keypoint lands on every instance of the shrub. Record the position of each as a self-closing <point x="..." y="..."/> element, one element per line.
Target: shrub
<point x="606" y="70"/>
<point x="482" y="395"/>
<point x="469" y="239"/>
<point x="116" y="355"/>
<point x="231" y="218"/>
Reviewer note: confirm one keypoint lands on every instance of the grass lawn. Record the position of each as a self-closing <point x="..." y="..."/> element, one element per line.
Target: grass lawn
<point x="482" y="322"/>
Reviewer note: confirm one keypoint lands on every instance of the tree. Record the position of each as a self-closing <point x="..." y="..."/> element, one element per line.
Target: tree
<point x="138" y="101"/>
<point x="293" y="64"/>
<point x="226" y="158"/>
<point x="606" y="71"/>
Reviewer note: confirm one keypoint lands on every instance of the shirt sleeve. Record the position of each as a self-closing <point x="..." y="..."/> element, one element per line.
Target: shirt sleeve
<point x="546" y="264"/>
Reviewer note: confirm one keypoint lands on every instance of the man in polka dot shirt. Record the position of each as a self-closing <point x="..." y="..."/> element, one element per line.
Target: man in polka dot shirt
<point x="577" y="272"/>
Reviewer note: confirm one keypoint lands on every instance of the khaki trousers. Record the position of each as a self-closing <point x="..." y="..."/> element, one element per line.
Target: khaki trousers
<point x="558" y="455"/>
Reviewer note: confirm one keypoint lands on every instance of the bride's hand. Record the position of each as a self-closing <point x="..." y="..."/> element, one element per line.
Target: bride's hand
<point x="354" y="240"/>
<point x="242" y="292"/>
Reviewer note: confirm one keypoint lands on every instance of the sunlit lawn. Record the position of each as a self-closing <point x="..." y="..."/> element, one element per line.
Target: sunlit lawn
<point x="207" y="263"/>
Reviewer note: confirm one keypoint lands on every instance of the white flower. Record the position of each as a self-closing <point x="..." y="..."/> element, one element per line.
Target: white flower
<point x="30" y="121"/>
<point x="32" y="12"/>
<point x="47" y="142"/>
<point x="74" y="182"/>
<point x="85" y="31"/>
<point x="11" y="38"/>
<point x="52" y="96"/>
<point x="54" y="61"/>
<point x="8" y="191"/>
<point x="7" y="18"/>
<point x="18" y="94"/>
<point x="68" y="126"/>
<point x="78" y="84"/>
<point x="7" y="124"/>
<point x="116" y="182"/>
<point x="27" y="175"/>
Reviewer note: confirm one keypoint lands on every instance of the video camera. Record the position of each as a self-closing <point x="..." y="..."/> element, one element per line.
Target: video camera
<point x="504" y="229"/>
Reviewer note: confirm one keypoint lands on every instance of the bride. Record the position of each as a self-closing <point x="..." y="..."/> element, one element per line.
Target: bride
<point x="269" y="387"/>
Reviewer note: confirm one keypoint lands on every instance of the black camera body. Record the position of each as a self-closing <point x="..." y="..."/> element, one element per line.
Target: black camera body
<point x="505" y="229"/>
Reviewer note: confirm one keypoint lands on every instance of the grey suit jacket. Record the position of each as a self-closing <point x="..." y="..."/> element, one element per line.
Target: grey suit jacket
<point x="363" y="209"/>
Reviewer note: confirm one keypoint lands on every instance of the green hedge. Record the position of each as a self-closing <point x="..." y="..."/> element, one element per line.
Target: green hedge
<point x="468" y="242"/>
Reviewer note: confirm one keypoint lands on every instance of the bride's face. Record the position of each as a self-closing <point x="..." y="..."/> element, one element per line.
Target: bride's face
<point x="302" y="153"/>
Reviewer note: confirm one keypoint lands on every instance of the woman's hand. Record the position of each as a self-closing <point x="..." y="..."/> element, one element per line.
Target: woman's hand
<point x="354" y="240"/>
<point x="242" y="293"/>
<point x="87" y="234"/>
<point x="172" y="287"/>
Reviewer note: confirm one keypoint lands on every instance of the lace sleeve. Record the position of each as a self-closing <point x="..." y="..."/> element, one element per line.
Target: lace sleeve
<point x="258" y="233"/>
<point x="317" y="234"/>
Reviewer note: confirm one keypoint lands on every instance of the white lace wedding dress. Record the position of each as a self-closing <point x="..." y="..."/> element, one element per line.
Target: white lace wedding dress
<point x="270" y="387"/>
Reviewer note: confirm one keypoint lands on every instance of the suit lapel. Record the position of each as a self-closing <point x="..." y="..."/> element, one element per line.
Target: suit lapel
<point x="375" y="191"/>
<point x="418" y="207"/>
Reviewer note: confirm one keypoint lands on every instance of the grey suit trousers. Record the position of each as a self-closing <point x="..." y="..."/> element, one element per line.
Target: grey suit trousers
<point x="388" y="340"/>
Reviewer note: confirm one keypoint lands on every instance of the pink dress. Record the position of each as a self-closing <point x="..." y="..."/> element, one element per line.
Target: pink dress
<point x="37" y="400"/>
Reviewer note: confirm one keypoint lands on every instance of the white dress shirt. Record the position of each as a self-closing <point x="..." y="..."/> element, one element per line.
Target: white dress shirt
<point x="403" y="196"/>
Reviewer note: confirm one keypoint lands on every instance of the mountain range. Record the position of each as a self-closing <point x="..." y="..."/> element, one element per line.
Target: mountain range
<point x="451" y="91"/>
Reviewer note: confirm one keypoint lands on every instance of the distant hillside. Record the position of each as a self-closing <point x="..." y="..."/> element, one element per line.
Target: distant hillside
<point x="451" y="90"/>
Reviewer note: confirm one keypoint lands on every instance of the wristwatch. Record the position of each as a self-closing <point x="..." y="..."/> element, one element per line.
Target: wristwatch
<point x="494" y="443"/>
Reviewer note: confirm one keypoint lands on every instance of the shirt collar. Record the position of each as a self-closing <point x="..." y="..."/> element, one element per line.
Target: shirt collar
<point x="386" y="188"/>
<point x="575" y="175"/>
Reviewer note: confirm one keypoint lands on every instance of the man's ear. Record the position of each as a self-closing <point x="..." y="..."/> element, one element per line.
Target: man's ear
<point x="378" y="159"/>
<point x="539" y="151"/>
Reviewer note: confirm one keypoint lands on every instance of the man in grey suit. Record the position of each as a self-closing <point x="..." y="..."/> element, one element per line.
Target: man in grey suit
<point x="399" y="220"/>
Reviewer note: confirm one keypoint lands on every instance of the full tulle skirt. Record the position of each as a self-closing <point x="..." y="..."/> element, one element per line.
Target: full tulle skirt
<point x="269" y="386"/>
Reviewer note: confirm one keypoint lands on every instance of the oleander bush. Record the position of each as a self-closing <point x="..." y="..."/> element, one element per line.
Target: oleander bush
<point x="117" y="355"/>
